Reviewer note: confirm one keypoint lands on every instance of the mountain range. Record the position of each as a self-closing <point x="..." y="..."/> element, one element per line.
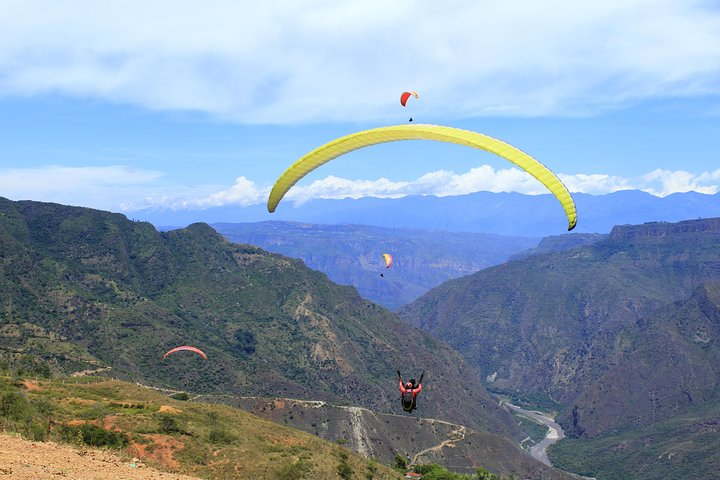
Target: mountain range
<point x="511" y="214"/>
<point x="352" y="254"/>
<point x="83" y="289"/>
<point x="617" y="332"/>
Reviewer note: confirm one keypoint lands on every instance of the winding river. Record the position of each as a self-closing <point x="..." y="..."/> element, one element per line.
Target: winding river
<point x="555" y="432"/>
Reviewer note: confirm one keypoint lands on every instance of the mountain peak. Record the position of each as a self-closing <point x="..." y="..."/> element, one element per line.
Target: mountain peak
<point x="203" y="231"/>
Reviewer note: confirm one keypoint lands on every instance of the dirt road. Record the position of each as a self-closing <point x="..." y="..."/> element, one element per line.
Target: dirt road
<point x="455" y="436"/>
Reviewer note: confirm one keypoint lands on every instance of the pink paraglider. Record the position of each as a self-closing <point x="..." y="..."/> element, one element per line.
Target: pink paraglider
<point x="188" y="348"/>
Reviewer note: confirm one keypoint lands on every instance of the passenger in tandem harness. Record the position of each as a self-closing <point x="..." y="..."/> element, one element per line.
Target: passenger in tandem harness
<point x="409" y="391"/>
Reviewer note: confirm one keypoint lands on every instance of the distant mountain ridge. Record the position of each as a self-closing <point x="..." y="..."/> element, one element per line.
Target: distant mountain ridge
<point x="352" y="254"/>
<point x="559" y="243"/>
<point x="512" y="214"/>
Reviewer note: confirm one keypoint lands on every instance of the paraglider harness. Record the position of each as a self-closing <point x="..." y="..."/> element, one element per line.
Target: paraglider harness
<point x="409" y="395"/>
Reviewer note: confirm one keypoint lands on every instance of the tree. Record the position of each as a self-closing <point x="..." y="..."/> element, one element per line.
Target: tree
<point x="483" y="474"/>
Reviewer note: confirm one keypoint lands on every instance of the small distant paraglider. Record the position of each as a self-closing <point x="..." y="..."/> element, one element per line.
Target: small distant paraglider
<point x="404" y="98"/>
<point x="183" y="348"/>
<point x="388" y="261"/>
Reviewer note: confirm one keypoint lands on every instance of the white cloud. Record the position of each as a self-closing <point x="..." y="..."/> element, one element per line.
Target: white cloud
<point x="316" y="60"/>
<point x="596" y="184"/>
<point x="334" y="187"/>
<point x="443" y="183"/>
<point x="664" y="182"/>
<point x="485" y="178"/>
<point x="243" y="193"/>
<point x="126" y="189"/>
<point x="121" y="188"/>
<point x="99" y="187"/>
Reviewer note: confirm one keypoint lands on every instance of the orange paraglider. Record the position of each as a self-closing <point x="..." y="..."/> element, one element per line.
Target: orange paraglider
<point x="388" y="259"/>
<point x="406" y="95"/>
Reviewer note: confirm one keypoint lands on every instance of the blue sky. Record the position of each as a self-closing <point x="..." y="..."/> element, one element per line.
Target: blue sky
<point x="132" y="105"/>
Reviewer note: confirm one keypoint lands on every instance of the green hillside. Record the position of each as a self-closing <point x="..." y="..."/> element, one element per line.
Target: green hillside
<point x="673" y="364"/>
<point x="418" y="439"/>
<point x="210" y="441"/>
<point x="682" y="447"/>
<point x="554" y="323"/>
<point x="124" y="294"/>
<point x="622" y="335"/>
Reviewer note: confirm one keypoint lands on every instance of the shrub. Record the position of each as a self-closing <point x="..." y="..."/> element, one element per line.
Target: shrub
<point x="245" y="342"/>
<point x="425" y="468"/>
<point x="89" y="434"/>
<point x="294" y="471"/>
<point x="220" y="436"/>
<point x="13" y="405"/>
<point x="484" y="474"/>
<point x="345" y="470"/>
<point x="168" y="425"/>
<point x="371" y="469"/>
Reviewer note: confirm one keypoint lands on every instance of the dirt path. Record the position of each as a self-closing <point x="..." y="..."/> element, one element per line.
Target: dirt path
<point x="85" y="373"/>
<point x="25" y="460"/>
<point x="455" y="436"/>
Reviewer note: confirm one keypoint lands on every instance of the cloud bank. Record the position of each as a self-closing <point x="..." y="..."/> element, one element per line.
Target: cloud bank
<point x="485" y="178"/>
<point x="121" y="188"/>
<point x="317" y="61"/>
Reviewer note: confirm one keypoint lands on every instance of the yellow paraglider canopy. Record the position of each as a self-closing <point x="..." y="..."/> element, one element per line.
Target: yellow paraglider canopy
<point x="366" y="138"/>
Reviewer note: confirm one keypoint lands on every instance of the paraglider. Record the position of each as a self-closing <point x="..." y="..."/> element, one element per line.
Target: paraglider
<point x="188" y="348"/>
<point x="405" y="95"/>
<point x="375" y="136"/>
<point x="404" y="98"/>
<point x="409" y="391"/>
<point x="388" y="259"/>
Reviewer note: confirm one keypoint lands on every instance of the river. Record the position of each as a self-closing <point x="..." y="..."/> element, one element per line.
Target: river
<point x="555" y="432"/>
